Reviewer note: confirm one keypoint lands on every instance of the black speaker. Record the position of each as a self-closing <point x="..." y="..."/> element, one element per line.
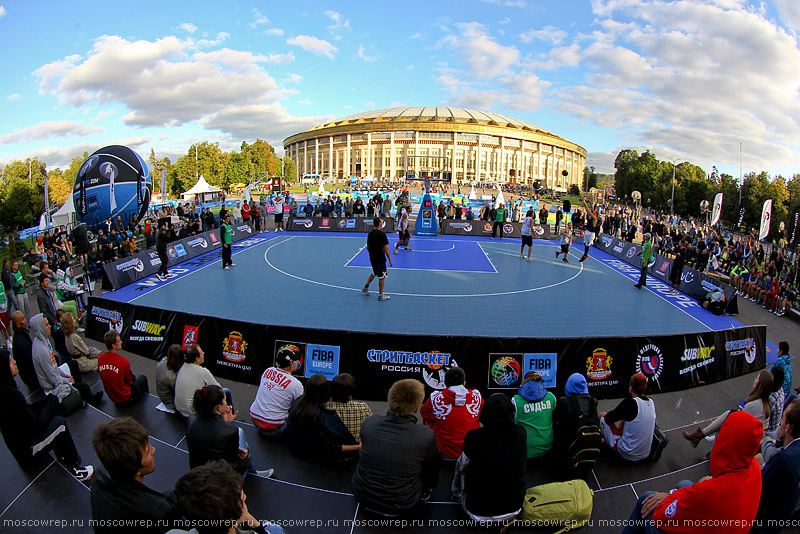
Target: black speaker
<point x="567" y="206"/>
<point x="565" y="172"/>
<point x="81" y="237"/>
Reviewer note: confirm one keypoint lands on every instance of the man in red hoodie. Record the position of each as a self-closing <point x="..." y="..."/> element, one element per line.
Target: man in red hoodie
<point x="726" y="501"/>
<point x="452" y="412"/>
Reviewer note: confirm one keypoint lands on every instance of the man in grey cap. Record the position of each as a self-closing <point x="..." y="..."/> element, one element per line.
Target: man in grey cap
<point x="647" y="257"/>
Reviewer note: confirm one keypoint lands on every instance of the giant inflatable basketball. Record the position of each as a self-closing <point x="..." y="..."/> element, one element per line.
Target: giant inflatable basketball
<point x="113" y="181"/>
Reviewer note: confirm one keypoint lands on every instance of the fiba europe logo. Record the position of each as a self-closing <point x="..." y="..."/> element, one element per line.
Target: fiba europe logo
<point x="505" y="371"/>
<point x="650" y="362"/>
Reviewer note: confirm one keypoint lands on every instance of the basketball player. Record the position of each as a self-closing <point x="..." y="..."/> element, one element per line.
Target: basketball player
<point x="402" y="230"/>
<point x="566" y="241"/>
<point x="527" y="235"/>
<point x="378" y="249"/>
<point x="592" y="219"/>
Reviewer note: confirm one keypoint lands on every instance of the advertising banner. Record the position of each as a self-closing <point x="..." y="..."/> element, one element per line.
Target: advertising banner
<point x="716" y="211"/>
<point x="145" y="263"/>
<point x="766" y="218"/>
<point x="794" y="219"/>
<point x="697" y="285"/>
<point x="337" y="224"/>
<point x="742" y="211"/>
<point x="484" y="228"/>
<point x="242" y="351"/>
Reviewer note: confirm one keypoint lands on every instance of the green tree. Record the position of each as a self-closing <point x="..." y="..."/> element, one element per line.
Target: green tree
<point x="589" y="178"/>
<point x="21" y="198"/>
<point x="157" y="166"/>
<point x="289" y="170"/>
<point x="58" y="188"/>
<point x="236" y="170"/>
<point x="74" y="166"/>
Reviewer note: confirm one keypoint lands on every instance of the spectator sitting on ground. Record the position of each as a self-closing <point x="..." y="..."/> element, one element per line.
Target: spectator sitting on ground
<point x="211" y="436"/>
<point x="118" y="490"/>
<point x="780" y="475"/>
<point x="315" y="432"/>
<point x="166" y="373"/>
<point x="191" y="377"/>
<point x="122" y="386"/>
<point x="756" y="404"/>
<point x="534" y="407"/>
<point x="490" y="474"/>
<point x="352" y="413"/>
<point x="51" y="378"/>
<point x="724" y="502"/>
<point x="32" y="430"/>
<point x="576" y="428"/>
<point x="452" y="412"/>
<point x="776" y="401"/>
<point x="21" y="347"/>
<point x="212" y="499"/>
<point x="276" y="393"/>
<point x="399" y="461"/>
<point x="628" y="428"/>
<point x="85" y="356"/>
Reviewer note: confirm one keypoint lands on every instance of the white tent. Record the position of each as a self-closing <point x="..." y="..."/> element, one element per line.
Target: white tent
<point x="63" y="217"/>
<point x="472" y="195"/>
<point x="321" y="190"/>
<point x="200" y="188"/>
<point x="500" y="198"/>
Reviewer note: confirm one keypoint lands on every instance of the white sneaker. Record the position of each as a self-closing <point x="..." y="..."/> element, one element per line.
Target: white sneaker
<point x="266" y="473"/>
<point x="365" y="290"/>
<point x="408" y="248"/>
<point x="82" y="473"/>
<point x="384" y="297"/>
<point x="233" y="265"/>
<point x="529" y="259"/>
<point x="227" y="268"/>
<point x="395" y="251"/>
<point x="522" y="255"/>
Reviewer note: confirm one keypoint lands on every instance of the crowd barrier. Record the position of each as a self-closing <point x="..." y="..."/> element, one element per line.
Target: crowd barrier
<point x="241" y="351"/>
<point x="484" y="228"/>
<point x="336" y="224"/>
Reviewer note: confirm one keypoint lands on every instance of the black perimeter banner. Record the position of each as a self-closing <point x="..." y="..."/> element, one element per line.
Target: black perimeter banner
<point x="145" y="263"/>
<point x="477" y="227"/>
<point x="337" y="224"/>
<point x="242" y="351"/>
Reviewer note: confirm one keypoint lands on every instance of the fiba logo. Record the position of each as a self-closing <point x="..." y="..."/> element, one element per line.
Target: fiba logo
<point x="650" y="362"/>
<point x="538" y="230"/>
<point x="632" y="252"/>
<point x="308" y="223"/>
<point x="505" y="371"/>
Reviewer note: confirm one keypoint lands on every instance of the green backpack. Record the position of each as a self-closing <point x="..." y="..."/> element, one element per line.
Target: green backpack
<point x="562" y="504"/>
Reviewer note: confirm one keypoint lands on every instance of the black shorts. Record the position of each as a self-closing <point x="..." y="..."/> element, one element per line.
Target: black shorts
<point x="403" y="234"/>
<point x="565" y="248"/>
<point x="527" y="240"/>
<point x="279" y="217"/>
<point x="379" y="270"/>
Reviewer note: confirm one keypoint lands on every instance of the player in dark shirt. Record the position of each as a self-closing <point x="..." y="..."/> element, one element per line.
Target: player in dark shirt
<point x="378" y="249"/>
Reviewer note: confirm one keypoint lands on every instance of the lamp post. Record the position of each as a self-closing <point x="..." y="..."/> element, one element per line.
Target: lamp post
<point x="672" y="198"/>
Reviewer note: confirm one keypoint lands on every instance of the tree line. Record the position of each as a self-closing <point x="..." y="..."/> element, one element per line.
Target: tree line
<point x="22" y="184"/>
<point x="654" y="178"/>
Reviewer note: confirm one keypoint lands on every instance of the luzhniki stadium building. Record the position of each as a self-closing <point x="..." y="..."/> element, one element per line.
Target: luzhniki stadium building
<point x="470" y="145"/>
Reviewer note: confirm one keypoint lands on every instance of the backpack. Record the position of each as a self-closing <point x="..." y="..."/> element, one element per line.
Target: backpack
<point x="584" y="451"/>
<point x="564" y="504"/>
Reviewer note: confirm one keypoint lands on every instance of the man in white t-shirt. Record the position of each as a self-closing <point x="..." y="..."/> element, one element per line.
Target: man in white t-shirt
<point x="191" y="377"/>
<point x="277" y="391"/>
<point x="527" y="235"/>
<point x="402" y="230"/>
<point x="278" y="202"/>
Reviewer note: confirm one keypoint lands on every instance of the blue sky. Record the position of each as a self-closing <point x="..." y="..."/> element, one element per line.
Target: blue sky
<point x="686" y="79"/>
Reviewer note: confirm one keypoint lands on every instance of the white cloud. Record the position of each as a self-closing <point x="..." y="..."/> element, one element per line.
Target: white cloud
<point x="274" y="31"/>
<point x="49" y="130"/>
<point x="162" y="137"/>
<point x="104" y="114"/>
<point x="484" y="57"/>
<point x="2" y="12"/>
<point x="294" y="78"/>
<point x="62" y="157"/>
<point x="158" y="82"/>
<point x="208" y="43"/>
<point x="369" y="105"/>
<point x="508" y="3"/>
<point x="247" y="122"/>
<point x="410" y="67"/>
<point x="239" y="57"/>
<point x="314" y="45"/>
<point x="694" y="77"/>
<point x="549" y="34"/>
<point x="14" y="97"/>
<point x="259" y="19"/>
<point x="790" y="13"/>
<point x="338" y="23"/>
<point x="187" y="27"/>
<point x="415" y="36"/>
<point x="305" y="101"/>
<point x="362" y="55"/>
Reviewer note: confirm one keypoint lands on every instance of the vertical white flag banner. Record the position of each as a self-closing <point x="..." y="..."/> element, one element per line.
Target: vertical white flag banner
<point x="717" y="211"/>
<point x="164" y="185"/>
<point x="766" y="218"/>
<point x="47" y="218"/>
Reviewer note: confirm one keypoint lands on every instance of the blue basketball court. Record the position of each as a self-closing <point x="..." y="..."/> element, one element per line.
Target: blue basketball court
<point x="450" y="285"/>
